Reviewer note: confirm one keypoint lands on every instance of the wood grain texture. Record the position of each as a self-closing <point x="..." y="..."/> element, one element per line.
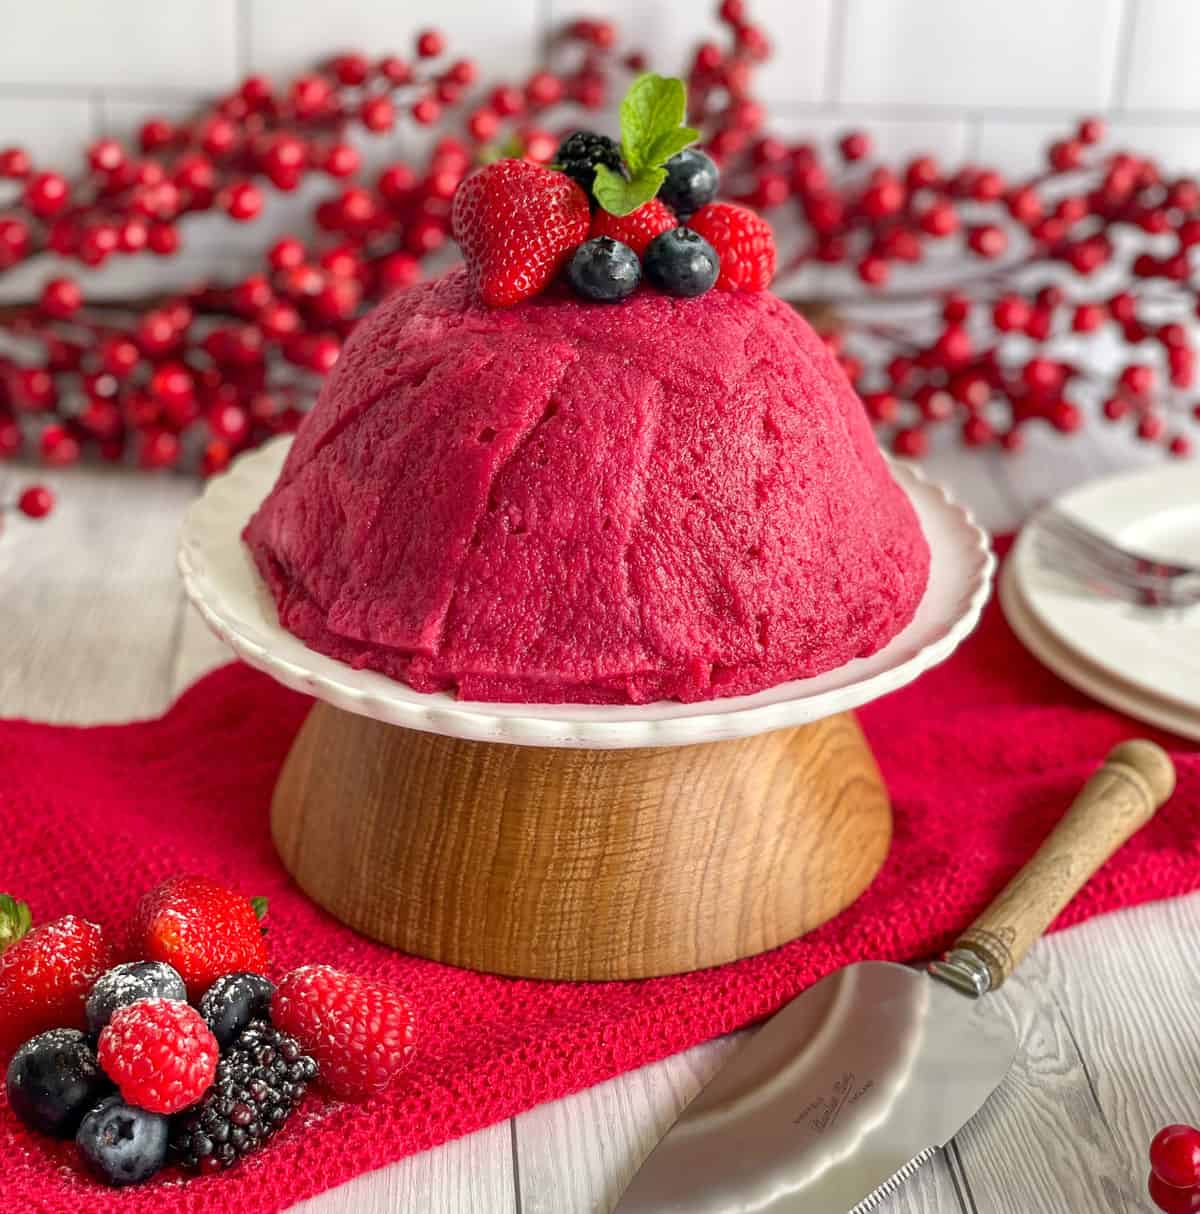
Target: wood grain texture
<point x="1120" y="798"/>
<point x="588" y="864"/>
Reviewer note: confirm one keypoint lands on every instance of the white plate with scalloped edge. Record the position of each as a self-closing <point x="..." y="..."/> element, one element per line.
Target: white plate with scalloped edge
<point x="222" y="582"/>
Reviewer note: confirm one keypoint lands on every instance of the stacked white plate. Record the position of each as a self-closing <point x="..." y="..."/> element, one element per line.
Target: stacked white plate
<point x="1143" y="661"/>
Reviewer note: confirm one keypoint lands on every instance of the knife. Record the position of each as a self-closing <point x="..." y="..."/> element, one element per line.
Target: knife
<point x="858" y="1081"/>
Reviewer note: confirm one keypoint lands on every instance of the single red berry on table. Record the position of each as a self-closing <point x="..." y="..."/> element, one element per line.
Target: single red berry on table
<point x="1175" y="1155"/>
<point x="361" y="1032"/>
<point x="311" y="95"/>
<point x="160" y="1054"/>
<point x="1180" y="446"/>
<point x="516" y="224"/>
<point x="36" y="501"/>
<point x="426" y="111"/>
<point x="201" y="928"/>
<point x="638" y="228"/>
<point x="46" y="974"/>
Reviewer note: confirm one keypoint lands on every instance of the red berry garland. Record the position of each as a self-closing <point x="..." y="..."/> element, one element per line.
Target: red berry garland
<point x="191" y="378"/>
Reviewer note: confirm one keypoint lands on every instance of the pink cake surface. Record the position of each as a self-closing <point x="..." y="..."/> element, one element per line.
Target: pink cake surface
<point x="565" y="501"/>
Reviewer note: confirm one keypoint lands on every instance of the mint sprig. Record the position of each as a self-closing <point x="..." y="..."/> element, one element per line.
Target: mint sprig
<point x="652" y="131"/>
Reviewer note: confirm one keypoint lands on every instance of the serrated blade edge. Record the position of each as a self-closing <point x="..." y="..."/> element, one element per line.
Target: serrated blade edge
<point x="894" y="1181"/>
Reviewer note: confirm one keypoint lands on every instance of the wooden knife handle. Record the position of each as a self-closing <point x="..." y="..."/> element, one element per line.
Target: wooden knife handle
<point x="1137" y="777"/>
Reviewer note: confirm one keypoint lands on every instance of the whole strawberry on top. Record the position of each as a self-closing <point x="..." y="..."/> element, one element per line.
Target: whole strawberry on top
<point x="45" y="973"/>
<point x="516" y="224"/>
<point x="201" y="928"/>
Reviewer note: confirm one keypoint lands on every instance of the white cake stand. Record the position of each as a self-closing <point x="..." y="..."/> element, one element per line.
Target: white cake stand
<point x="577" y="841"/>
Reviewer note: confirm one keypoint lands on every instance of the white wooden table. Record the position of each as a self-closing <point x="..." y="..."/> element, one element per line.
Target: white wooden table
<point x="94" y="627"/>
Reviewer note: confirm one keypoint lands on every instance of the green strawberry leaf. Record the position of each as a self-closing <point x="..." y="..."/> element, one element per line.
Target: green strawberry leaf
<point x="15" y="920"/>
<point x="619" y="196"/>
<point x="260" y="907"/>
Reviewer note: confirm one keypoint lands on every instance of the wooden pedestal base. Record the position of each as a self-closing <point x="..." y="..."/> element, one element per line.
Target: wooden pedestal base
<point x="553" y="863"/>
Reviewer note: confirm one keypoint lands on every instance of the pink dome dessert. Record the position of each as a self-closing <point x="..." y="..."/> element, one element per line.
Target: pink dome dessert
<point x="565" y="501"/>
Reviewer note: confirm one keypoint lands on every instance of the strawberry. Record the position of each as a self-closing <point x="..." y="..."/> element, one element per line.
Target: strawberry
<point x="46" y="973"/>
<point x="744" y="242"/>
<point x="201" y="928"/>
<point x="160" y="1054"/>
<point x="360" y="1031"/>
<point x="638" y="228"/>
<point x="516" y="224"/>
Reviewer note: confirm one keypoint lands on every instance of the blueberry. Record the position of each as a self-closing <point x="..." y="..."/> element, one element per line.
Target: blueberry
<point x="692" y="182"/>
<point x="681" y="262"/>
<point x="121" y="1144"/>
<point x="232" y="1002"/>
<point x="126" y="984"/>
<point x="53" y="1079"/>
<point x="604" y="269"/>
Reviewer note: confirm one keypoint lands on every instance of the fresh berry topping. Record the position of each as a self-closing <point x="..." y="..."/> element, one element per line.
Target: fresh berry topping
<point x="126" y="984"/>
<point x="361" y="1032"/>
<point x="262" y="1078"/>
<point x="122" y="1145"/>
<point x="604" y="270"/>
<point x="681" y="262"/>
<point x="638" y="228"/>
<point x="1175" y="1156"/>
<point x="578" y="155"/>
<point x="232" y="1002"/>
<point x="743" y="241"/>
<point x="53" y="1080"/>
<point x="160" y="1054"/>
<point x="692" y="182"/>
<point x="201" y="928"/>
<point x="45" y="977"/>
<point x="516" y="224"/>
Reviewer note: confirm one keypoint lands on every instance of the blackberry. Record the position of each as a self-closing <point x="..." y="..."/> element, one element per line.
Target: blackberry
<point x="260" y="1080"/>
<point x="578" y="155"/>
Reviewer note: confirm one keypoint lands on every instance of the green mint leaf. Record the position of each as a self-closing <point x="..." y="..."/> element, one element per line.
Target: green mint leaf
<point x="670" y="142"/>
<point x="260" y="907"/>
<point x="619" y="196"/>
<point x="654" y="107"/>
<point x="15" y="920"/>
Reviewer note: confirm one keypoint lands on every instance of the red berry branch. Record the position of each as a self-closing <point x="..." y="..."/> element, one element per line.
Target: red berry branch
<point x="1027" y="272"/>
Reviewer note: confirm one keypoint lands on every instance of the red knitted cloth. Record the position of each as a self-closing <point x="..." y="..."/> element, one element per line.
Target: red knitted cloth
<point x="981" y="755"/>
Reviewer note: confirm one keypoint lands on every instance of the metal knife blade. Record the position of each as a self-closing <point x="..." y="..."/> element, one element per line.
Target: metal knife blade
<point x="833" y="1102"/>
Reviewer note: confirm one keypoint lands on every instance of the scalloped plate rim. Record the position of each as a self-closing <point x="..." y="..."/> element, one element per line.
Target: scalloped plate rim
<point x="222" y="597"/>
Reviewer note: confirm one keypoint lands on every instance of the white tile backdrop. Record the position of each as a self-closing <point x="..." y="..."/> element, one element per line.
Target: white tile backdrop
<point x="960" y="78"/>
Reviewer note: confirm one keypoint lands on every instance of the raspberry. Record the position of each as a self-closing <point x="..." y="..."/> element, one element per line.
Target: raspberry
<point x="516" y="224"/>
<point x="160" y="1054"/>
<point x="201" y="928"/>
<point x="360" y="1031"/>
<point x="45" y="975"/>
<point x="638" y="228"/>
<point x="743" y="241"/>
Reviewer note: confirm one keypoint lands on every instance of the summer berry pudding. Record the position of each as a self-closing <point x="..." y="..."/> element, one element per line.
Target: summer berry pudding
<point x="605" y="502"/>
